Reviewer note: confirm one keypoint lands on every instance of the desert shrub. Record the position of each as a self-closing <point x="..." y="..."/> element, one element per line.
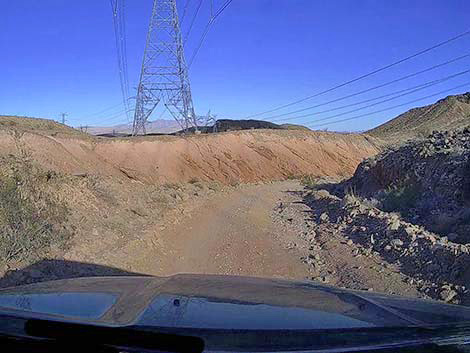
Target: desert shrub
<point x="401" y="198"/>
<point x="293" y="176"/>
<point x="309" y="180"/>
<point x="30" y="219"/>
<point x="193" y="180"/>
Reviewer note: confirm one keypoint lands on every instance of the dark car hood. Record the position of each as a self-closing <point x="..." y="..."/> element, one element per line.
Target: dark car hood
<point x="220" y="302"/>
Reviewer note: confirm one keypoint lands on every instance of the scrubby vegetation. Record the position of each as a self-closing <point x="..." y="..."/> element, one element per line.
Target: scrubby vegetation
<point x="30" y="218"/>
<point x="400" y="199"/>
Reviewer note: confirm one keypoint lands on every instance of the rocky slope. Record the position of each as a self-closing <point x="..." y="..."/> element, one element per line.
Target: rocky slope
<point x="427" y="181"/>
<point x="437" y="267"/>
<point x="452" y="112"/>
<point x="410" y="207"/>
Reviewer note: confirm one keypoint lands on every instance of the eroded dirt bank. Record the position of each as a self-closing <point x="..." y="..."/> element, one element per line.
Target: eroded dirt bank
<point x="231" y="157"/>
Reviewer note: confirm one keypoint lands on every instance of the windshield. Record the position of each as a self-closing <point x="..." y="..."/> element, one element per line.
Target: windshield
<point x="326" y="143"/>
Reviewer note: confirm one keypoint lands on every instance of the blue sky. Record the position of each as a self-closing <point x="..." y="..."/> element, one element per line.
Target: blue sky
<point x="59" y="56"/>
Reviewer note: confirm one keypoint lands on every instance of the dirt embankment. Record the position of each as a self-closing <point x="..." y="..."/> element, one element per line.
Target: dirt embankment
<point x="232" y="157"/>
<point x="228" y="157"/>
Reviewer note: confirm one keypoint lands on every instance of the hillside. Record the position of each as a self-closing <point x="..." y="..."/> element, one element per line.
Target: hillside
<point x="450" y="113"/>
<point x="37" y="125"/>
<point x="248" y="124"/>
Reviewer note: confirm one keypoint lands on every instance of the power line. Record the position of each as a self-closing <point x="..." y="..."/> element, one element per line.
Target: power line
<point x="204" y="34"/>
<point x="377" y="103"/>
<point x="371" y="88"/>
<point x="395" y="106"/>
<point x="105" y="110"/>
<point x="206" y="31"/>
<point x="409" y="90"/>
<point x="117" y="115"/>
<point x="184" y="11"/>
<point x="192" y="22"/>
<point x="124" y="45"/>
<point x="222" y="8"/>
<point x="118" y="8"/>
<point x="365" y="75"/>
<point x="109" y="118"/>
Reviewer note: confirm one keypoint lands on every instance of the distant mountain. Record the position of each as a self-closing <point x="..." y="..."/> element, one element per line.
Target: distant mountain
<point x="156" y="126"/>
<point x="450" y="113"/>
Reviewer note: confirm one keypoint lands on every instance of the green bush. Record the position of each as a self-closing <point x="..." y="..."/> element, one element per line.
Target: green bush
<point x="401" y="199"/>
<point x="309" y="180"/>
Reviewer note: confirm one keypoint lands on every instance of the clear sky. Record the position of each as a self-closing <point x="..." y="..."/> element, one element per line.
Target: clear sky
<point x="59" y="56"/>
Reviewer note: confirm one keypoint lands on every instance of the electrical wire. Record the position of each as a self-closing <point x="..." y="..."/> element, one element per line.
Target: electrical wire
<point x="206" y="31"/>
<point x="105" y="110"/>
<point x="204" y="34"/>
<point x="222" y="8"/>
<point x="395" y="106"/>
<point x="372" y="88"/>
<point x="118" y="8"/>
<point x="192" y="22"/>
<point x="377" y="103"/>
<point x="409" y="90"/>
<point x="421" y="52"/>
<point x="185" y="10"/>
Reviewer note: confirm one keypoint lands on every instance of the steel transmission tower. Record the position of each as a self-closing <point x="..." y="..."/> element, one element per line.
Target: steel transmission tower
<point x="164" y="75"/>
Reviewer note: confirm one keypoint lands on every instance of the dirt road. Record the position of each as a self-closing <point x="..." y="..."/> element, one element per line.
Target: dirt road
<point x="261" y="230"/>
<point x="231" y="234"/>
<point x="228" y="232"/>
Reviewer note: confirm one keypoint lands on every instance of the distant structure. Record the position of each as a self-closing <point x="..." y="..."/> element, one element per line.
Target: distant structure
<point x="63" y="117"/>
<point x="164" y="74"/>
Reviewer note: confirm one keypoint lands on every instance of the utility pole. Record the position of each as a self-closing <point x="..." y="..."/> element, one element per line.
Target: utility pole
<point x="164" y="74"/>
<point x="63" y="115"/>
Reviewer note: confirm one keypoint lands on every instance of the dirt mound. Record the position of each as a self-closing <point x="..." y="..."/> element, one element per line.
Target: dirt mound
<point x="243" y="156"/>
<point x="452" y="112"/>
<point x="247" y="156"/>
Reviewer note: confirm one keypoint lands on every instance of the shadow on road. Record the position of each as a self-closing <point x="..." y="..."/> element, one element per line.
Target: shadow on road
<point x="48" y="269"/>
